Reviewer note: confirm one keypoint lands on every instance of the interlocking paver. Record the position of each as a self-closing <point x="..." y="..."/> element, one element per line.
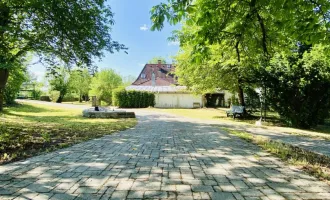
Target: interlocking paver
<point x="163" y="157"/>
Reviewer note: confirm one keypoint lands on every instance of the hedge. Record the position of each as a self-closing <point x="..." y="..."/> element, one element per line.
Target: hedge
<point x="45" y="98"/>
<point x="132" y="99"/>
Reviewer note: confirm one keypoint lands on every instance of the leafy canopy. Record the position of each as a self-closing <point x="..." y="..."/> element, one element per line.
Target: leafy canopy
<point x="73" y="31"/>
<point x="104" y="83"/>
<point x="300" y="85"/>
<point x="80" y="81"/>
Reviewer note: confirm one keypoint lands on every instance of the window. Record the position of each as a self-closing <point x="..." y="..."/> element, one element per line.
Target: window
<point x="143" y="75"/>
<point x="168" y="66"/>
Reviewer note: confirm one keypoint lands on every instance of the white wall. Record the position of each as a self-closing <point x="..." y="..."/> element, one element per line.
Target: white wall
<point x="177" y="100"/>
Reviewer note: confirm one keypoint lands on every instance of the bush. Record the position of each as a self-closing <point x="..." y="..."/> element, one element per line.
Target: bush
<point x="104" y="83"/>
<point x="36" y="94"/>
<point x="44" y="98"/>
<point x="54" y="95"/>
<point x="299" y="87"/>
<point x="15" y="81"/>
<point x="70" y="98"/>
<point x="132" y="99"/>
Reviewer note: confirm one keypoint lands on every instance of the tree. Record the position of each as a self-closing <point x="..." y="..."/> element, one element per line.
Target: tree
<point x="59" y="81"/>
<point x="72" y="31"/>
<point x="16" y="78"/>
<point x="155" y="60"/>
<point x="299" y="85"/>
<point x="79" y="82"/>
<point x="218" y="69"/>
<point x="104" y="83"/>
<point x="253" y="29"/>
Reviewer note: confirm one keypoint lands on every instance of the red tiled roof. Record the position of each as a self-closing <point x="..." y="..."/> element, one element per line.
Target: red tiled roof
<point x="163" y="75"/>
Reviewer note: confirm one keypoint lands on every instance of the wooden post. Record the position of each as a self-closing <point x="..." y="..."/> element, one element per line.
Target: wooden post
<point x="95" y="103"/>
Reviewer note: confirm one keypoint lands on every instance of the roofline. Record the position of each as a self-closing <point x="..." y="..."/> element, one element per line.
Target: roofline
<point x="139" y="74"/>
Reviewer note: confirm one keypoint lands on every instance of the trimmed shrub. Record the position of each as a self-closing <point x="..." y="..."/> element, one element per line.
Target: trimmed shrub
<point x="69" y="98"/>
<point x="132" y="99"/>
<point x="44" y="98"/>
<point x="54" y="95"/>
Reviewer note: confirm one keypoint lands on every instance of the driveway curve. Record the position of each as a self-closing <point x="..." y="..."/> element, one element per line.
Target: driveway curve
<point x="163" y="157"/>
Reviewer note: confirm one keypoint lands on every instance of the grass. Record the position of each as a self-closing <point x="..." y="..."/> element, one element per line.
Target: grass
<point x="78" y="103"/>
<point x="220" y="114"/>
<point x="273" y="121"/>
<point x="27" y="130"/>
<point x="314" y="164"/>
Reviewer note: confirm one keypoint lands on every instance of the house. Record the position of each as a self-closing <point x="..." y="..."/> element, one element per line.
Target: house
<point x="156" y="75"/>
<point x="160" y="79"/>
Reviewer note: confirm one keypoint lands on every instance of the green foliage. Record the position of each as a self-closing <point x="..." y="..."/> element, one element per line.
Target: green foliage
<point x="104" y="83"/>
<point x="16" y="78"/>
<point x="155" y="60"/>
<point x="79" y="82"/>
<point x="54" y="95"/>
<point x="224" y="42"/>
<point x="70" y="97"/>
<point x="82" y="27"/>
<point x="45" y="98"/>
<point x="299" y="86"/>
<point x="59" y="82"/>
<point x="133" y="99"/>
<point x="252" y="99"/>
<point x="36" y="94"/>
<point x="69" y="31"/>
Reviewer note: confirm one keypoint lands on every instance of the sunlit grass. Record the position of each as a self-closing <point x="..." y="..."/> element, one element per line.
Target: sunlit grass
<point x="273" y="121"/>
<point x="313" y="163"/>
<point x="27" y="130"/>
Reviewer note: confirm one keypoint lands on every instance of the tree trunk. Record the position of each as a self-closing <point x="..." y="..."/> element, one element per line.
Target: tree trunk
<point x="241" y="96"/>
<point x="4" y="74"/>
<point x="60" y="99"/>
<point x="80" y="98"/>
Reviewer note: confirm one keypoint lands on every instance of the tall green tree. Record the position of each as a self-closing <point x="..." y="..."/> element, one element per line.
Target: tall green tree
<point x="251" y="28"/>
<point x="72" y="31"/>
<point x="59" y="81"/>
<point x="103" y="83"/>
<point x="79" y="82"/>
<point x="16" y="78"/>
<point x="155" y="60"/>
<point x="299" y="85"/>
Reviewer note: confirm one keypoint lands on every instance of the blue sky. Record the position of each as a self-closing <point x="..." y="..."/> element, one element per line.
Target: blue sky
<point x="132" y="23"/>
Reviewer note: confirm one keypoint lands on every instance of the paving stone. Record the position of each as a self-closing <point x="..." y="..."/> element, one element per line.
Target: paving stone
<point x="163" y="157"/>
<point x="202" y="188"/>
<point x="222" y="195"/>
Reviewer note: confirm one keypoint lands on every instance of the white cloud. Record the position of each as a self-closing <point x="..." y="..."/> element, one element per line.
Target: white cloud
<point x="173" y="43"/>
<point x="144" y="27"/>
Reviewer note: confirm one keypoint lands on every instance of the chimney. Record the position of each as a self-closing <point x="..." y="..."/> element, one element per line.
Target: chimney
<point x="159" y="62"/>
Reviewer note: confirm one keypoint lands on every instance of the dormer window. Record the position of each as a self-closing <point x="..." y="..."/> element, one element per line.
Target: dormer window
<point x="143" y="76"/>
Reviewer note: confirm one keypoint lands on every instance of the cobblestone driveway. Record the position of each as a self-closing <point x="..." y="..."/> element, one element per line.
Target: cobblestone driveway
<point x="163" y="157"/>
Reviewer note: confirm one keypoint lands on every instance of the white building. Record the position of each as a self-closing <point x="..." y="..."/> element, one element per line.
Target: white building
<point x="176" y="96"/>
<point x="171" y="96"/>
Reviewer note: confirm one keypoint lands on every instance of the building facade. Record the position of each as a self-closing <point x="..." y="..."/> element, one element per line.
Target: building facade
<point x="160" y="79"/>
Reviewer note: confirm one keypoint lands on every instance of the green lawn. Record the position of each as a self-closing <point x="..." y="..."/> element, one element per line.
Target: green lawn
<point x="27" y="130"/>
<point x="273" y="121"/>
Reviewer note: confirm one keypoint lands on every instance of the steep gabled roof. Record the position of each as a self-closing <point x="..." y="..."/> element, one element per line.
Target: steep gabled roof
<point x="163" y="75"/>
